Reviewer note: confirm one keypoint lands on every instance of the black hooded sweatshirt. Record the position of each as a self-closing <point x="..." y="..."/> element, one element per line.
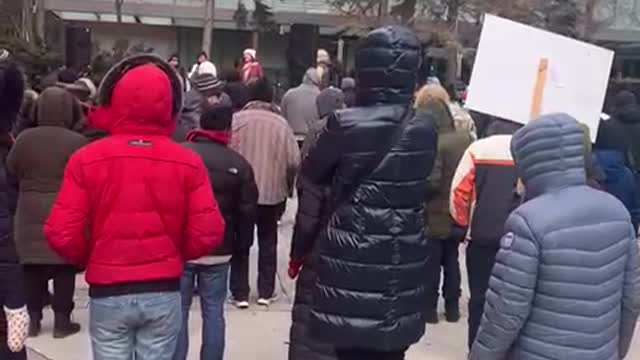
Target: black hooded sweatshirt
<point x="626" y="118"/>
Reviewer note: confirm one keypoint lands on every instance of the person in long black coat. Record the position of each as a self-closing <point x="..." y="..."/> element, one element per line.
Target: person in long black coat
<point x="370" y="297"/>
<point x="312" y="210"/>
<point x="14" y="318"/>
<point x="625" y="119"/>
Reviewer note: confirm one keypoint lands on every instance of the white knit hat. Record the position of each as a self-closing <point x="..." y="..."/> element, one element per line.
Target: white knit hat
<point x="323" y="57"/>
<point x="251" y="52"/>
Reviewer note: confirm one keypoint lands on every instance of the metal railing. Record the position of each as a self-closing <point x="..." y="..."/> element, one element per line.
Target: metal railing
<point x="313" y="6"/>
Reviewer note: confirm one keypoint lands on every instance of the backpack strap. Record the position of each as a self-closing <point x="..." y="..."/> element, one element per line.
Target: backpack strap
<point x="375" y="161"/>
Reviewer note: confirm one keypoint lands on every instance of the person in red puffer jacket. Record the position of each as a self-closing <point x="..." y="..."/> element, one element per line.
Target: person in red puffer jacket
<point x="132" y="208"/>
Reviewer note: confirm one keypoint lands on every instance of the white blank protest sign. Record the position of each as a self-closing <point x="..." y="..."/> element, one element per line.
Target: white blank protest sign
<point x="506" y="69"/>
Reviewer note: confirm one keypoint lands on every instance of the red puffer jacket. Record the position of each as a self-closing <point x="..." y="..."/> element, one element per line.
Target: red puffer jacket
<point x="134" y="206"/>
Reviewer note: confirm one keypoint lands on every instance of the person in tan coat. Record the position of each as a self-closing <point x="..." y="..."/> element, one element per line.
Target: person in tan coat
<point x="38" y="160"/>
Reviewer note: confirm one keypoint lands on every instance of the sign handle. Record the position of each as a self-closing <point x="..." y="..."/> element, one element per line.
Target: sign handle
<point x="538" y="90"/>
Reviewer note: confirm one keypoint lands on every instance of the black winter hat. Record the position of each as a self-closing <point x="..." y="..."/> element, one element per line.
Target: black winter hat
<point x="260" y="90"/>
<point x="117" y="71"/>
<point x="611" y="136"/>
<point x="624" y="98"/>
<point x="11" y="93"/>
<point x="238" y="93"/>
<point x="67" y="76"/>
<point x="216" y="117"/>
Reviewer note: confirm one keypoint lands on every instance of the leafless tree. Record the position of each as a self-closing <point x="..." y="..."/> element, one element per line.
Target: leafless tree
<point x="453" y="23"/>
<point x="118" y="4"/>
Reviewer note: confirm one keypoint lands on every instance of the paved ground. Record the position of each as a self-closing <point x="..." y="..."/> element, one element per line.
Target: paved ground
<point x="257" y="333"/>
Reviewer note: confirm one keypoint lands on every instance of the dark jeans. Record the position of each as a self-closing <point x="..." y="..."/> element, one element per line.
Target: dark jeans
<point x="267" y="223"/>
<point x="480" y="260"/>
<point x="443" y="253"/>
<point x="36" y="288"/>
<point x="363" y="354"/>
<point x="6" y="354"/>
<point x="212" y="288"/>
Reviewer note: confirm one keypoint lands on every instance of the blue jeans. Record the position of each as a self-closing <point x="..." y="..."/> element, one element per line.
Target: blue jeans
<point x="212" y="288"/>
<point x="142" y="325"/>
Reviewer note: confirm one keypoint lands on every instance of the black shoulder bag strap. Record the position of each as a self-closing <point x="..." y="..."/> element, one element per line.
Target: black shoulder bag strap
<point x="373" y="164"/>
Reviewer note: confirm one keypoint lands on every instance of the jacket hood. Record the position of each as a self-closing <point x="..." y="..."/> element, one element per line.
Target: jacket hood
<point x="329" y="100"/>
<point x="549" y="154"/>
<point x="611" y="136"/>
<point x="311" y="77"/>
<point x="442" y="119"/>
<point x="348" y="83"/>
<point x="57" y="107"/>
<point x="141" y="103"/>
<point x="387" y="65"/>
<point x="140" y="95"/>
<point x="628" y="114"/>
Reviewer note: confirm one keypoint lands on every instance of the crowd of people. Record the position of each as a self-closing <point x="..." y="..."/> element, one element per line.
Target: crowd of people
<point x="153" y="185"/>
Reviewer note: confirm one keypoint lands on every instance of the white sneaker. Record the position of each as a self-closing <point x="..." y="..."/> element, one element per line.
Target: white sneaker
<point x="267" y="302"/>
<point x="242" y="304"/>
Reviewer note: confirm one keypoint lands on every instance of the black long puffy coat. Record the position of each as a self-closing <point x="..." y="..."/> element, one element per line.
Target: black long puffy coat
<point x="312" y="211"/>
<point x="11" y="291"/>
<point x="371" y="287"/>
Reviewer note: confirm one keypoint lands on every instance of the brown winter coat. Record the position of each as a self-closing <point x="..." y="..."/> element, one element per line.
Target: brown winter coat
<point x="38" y="159"/>
<point x="451" y="146"/>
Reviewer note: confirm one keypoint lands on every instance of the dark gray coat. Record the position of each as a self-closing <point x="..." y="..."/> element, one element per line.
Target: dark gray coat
<point x="38" y="159"/>
<point x="312" y="212"/>
<point x="299" y="104"/>
<point x="566" y="283"/>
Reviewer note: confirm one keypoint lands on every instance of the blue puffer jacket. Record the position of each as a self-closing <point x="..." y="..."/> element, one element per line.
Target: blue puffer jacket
<point x="371" y="286"/>
<point x="566" y="283"/>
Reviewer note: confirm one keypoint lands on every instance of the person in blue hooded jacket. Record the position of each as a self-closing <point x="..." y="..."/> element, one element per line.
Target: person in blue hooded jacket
<point x="610" y="156"/>
<point x="566" y="283"/>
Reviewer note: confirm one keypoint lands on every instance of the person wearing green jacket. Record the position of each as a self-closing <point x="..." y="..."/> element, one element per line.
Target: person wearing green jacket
<point x="443" y="235"/>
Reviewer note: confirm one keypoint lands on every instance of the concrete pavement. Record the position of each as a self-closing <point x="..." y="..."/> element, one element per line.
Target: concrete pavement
<point x="257" y="333"/>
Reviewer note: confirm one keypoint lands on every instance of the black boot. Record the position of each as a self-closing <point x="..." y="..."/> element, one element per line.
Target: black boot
<point x="452" y="311"/>
<point x="64" y="327"/>
<point x="35" y="327"/>
<point x="432" y="317"/>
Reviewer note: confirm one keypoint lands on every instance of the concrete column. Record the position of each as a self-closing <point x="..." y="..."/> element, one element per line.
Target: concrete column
<point x="208" y="25"/>
<point x="40" y="19"/>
